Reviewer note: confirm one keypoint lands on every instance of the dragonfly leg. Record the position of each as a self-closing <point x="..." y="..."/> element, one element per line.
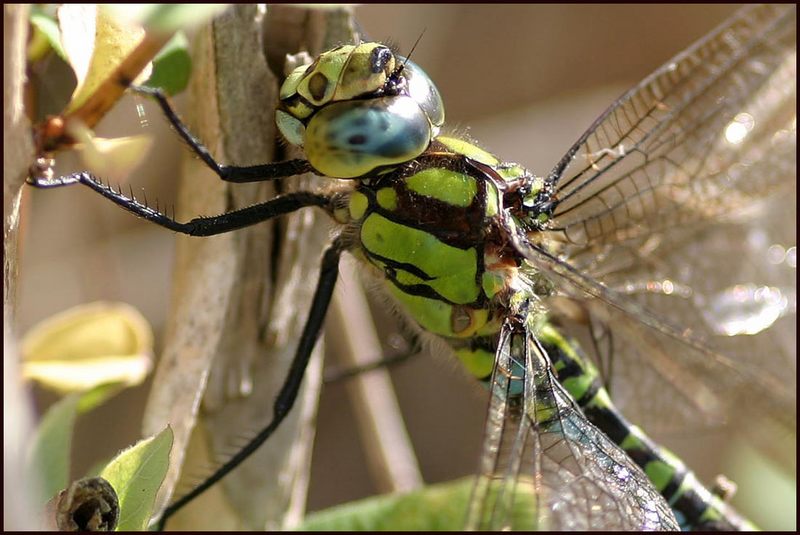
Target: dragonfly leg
<point x="329" y="271"/>
<point x="411" y="348"/>
<point x="229" y="173"/>
<point x="199" y="226"/>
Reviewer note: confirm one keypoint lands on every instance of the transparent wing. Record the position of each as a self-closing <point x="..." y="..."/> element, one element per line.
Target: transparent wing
<point x="544" y="466"/>
<point x="664" y="212"/>
<point x="733" y="288"/>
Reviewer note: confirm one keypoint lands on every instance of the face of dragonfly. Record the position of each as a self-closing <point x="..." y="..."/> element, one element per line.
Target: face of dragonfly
<point x="358" y="107"/>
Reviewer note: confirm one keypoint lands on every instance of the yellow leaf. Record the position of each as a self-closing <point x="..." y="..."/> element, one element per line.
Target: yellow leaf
<point x="89" y="345"/>
<point x="114" y="159"/>
<point x="96" y="43"/>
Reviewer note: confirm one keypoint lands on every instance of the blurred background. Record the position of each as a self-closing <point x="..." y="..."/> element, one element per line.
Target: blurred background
<point x="523" y="80"/>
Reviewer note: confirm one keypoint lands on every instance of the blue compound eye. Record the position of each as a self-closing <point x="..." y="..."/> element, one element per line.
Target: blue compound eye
<point x="422" y="89"/>
<point x="350" y="139"/>
<point x="357" y="108"/>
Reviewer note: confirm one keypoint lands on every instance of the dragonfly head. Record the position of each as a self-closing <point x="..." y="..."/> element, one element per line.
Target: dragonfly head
<point x="359" y="107"/>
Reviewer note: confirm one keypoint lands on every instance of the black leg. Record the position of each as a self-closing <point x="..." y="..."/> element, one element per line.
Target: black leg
<point x="291" y="385"/>
<point x="412" y="347"/>
<point x="254" y="173"/>
<point x="199" y="226"/>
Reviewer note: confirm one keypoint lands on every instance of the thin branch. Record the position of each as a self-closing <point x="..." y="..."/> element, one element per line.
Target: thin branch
<point x="390" y="455"/>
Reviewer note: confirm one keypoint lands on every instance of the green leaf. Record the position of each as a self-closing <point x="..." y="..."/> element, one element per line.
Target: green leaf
<point x="46" y="35"/>
<point x="136" y="474"/>
<point x="767" y="490"/>
<point x="97" y="396"/>
<point x="172" y="66"/>
<point x="433" y="508"/>
<point x="441" y="507"/>
<point x="87" y="346"/>
<point x="166" y="17"/>
<point x="50" y="452"/>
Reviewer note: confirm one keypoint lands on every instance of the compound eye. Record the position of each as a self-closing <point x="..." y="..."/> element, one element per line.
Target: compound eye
<point x="422" y="89"/>
<point x="350" y="139"/>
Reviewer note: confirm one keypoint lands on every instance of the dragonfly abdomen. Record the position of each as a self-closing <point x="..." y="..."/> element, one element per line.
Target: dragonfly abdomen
<point x="695" y="507"/>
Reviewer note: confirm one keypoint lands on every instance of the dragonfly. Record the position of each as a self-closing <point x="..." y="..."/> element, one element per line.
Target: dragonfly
<point x="619" y="239"/>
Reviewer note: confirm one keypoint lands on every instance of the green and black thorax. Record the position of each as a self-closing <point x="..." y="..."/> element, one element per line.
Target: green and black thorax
<point x="438" y="229"/>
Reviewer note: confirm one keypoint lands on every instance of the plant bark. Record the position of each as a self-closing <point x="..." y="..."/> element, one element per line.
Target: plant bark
<point x="240" y="300"/>
<point x="18" y="512"/>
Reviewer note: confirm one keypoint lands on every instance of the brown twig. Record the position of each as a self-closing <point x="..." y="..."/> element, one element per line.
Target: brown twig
<point x="52" y="134"/>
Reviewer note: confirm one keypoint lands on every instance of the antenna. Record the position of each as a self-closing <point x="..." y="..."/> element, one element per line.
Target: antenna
<point x="414" y="47"/>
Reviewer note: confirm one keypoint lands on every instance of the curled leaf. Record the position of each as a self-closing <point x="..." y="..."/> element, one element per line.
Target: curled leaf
<point x="89" y="345"/>
<point x="95" y="43"/>
<point x="113" y="158"/>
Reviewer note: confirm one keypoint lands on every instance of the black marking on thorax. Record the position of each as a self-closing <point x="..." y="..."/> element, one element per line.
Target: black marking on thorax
<point x="461" y="227"/>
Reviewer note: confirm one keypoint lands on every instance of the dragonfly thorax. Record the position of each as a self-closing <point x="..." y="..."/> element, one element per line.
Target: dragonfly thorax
<point x="437" y="230"/>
